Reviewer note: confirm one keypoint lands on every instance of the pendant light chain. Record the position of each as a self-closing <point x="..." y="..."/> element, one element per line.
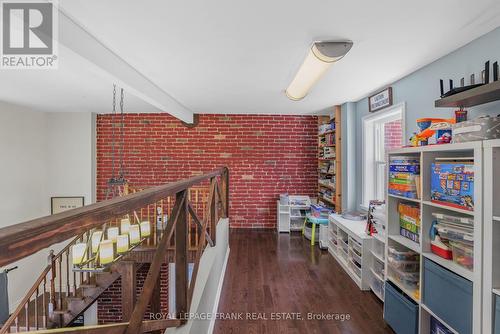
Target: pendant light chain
<point x="117" y="182"/>
<point x="113" y="115"/>
<point x="122" y="173"/>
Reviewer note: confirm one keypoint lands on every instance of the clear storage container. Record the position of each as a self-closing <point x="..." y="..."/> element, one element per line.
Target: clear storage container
<point x="378" y="248"/>
<point x="402" y="254"/>
<point x="377" y="286"/>
<point x="455" y="233"/>
<point x="405" y="266"/>
<point x="463" y="254"/>
<point x="356" y="270"/>
<point x="378" y="268"/>
<point x="408" y="281"/>
<point x="442" y="218"/>
<point x="355" y="256"/>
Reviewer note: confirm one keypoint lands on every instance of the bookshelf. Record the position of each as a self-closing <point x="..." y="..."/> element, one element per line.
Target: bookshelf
<point x="427" y="155"/>
<point x="329" y="160"/>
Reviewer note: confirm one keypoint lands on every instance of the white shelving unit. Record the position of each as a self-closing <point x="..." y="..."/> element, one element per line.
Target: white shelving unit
<point x="291" y="217"/>
<point x="427" y="155"/>
<point x="349" y="244"/>
<point x="377" y="258"/>
<point x="491" y="278"/>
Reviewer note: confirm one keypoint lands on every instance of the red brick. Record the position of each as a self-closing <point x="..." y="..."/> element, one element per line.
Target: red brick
<point x="279" y="152"/>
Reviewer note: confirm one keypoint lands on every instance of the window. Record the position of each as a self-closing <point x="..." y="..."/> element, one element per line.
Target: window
<point x="382" y="131"/>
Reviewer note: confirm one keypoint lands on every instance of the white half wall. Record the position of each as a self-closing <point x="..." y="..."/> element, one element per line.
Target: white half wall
<point x="206" y="294"/>
<point x="43" y="155"/>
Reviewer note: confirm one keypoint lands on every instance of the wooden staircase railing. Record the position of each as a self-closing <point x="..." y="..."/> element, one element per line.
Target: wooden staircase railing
<point x="47" y="303"/>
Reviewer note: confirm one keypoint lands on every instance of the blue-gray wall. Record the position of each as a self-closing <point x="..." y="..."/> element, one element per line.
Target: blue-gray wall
<point x="419" y="90"/>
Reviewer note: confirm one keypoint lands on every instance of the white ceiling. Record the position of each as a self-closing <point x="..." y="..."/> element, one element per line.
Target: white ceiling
<point x="229" y="56"/>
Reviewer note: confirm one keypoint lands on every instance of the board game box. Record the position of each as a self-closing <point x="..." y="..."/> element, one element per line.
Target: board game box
<point x="452" y="183"/>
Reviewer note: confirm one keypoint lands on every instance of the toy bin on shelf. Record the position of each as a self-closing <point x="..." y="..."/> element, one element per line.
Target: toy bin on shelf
<point x="463" y="254"/>
<point x="449" y="296"/>
<point x="400" y="312"/>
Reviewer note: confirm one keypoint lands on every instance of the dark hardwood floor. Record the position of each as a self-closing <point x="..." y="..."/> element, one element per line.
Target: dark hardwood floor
<point x="269" y="272"/>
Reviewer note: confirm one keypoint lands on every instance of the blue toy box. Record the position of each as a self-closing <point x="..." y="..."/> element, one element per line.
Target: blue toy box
<point x="452" y="183"/>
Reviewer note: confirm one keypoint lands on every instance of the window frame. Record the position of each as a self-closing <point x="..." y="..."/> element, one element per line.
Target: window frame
<point x="373" y="159"/>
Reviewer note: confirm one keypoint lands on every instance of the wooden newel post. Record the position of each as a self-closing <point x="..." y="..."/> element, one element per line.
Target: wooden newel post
<point x="181" y="260"/>
<point x="52" y="297"/>
<point x="128" y="272"/>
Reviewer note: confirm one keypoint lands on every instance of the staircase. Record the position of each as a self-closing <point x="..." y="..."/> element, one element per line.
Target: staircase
<point x="73" y="281"/>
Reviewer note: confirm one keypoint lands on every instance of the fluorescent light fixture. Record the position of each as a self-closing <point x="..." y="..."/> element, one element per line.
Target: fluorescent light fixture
<point x="319" y="59"/>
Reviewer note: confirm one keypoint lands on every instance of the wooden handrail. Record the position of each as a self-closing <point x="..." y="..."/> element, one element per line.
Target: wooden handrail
<point x="21" y="240"/>
<point x="81" y="221"/>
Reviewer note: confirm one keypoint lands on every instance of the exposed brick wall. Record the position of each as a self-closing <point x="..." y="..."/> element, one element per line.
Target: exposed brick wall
<point x="393" y="134"/>
<point x="109" y="309"/>
<point x="266" y="155"/>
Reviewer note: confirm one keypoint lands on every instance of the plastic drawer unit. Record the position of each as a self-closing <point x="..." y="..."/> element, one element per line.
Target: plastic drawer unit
<point x="497" y="315"/>
<point x="400" y="312"/>
<point x="449" y="296"/>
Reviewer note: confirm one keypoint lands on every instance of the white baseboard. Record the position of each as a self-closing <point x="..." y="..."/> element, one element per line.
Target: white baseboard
<point x="219" y="292"/>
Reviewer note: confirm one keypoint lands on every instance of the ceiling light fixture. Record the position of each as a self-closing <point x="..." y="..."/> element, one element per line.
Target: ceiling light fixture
<point x="319" y="59"/>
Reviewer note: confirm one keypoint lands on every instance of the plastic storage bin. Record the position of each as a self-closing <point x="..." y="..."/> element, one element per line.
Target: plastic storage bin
<point x="463" y="255"/>
<point x="409" y="281"/>
<point x="449" y="296"/>
<point x="356" y="268"/>
<point x="355" y="256"/>
<point x="406" y="266"/>
<point x="378" y="248"/>
<point x="403" y="254"/>
<point x="377" y="286"/>
<point x="378" y="267"/>
<point x="456" y="233"/>
<point x="344" y="249"/>
<point x="400" y="312"/>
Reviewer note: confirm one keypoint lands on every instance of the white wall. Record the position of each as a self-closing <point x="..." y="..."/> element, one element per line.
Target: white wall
<point x="70" y="154"/>
<point x="208" y="287"/>
<point x="42" y="155"/>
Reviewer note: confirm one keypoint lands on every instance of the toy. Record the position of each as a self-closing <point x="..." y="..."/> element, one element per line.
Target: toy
<point x="432" y="131"/>
<point x="452" y="183"/>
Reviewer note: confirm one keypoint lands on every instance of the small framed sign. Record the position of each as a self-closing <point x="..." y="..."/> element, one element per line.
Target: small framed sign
<point x="61" y="204"/>
<point x="380" y="100"/>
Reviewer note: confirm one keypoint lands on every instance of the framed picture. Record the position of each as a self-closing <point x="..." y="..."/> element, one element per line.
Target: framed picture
<point x="61" y="204"/>
<point x="380" y="100"/>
